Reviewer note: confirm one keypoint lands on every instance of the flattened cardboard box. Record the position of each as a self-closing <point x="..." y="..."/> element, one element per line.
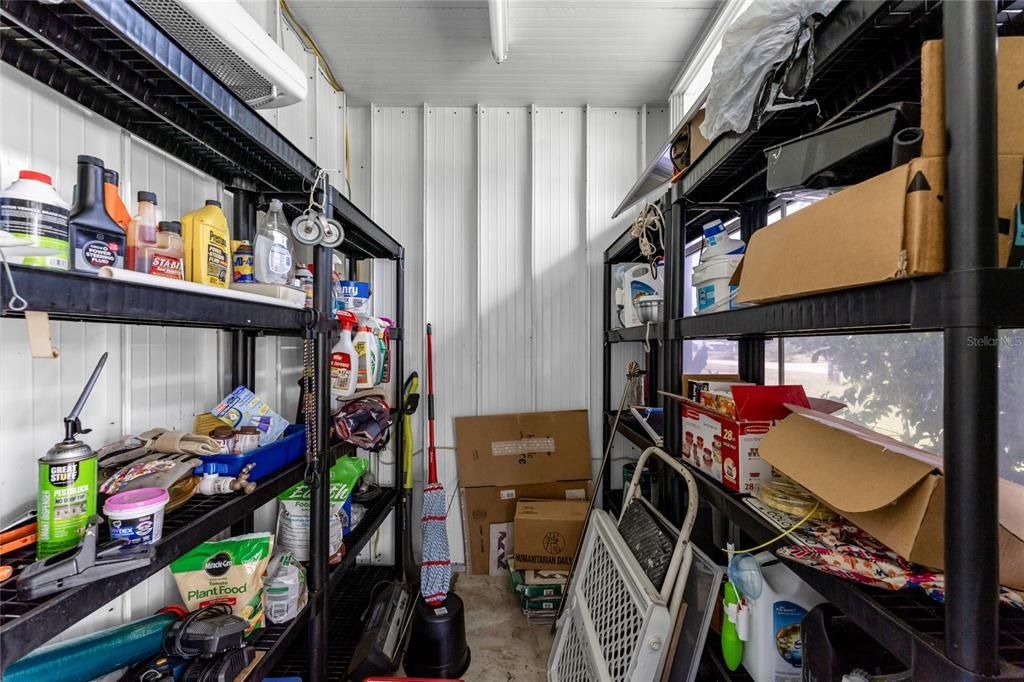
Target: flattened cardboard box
<point x="547" y="532"/>
<point x="891" y="490"/>
<point x="1009" y="93"/>
<point x="485" y="506"/>
<point x="517" y="449"/>
<point x="888" y="227"/>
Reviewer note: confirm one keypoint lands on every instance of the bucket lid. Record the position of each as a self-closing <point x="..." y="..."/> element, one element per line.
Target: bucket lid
<point x="132" y="500"/>
<point x="35" y="175"/>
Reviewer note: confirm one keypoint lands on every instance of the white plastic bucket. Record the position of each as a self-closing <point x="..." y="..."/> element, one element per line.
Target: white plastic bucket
<point x="137" y="516"/>
<point x="711" y="281"/>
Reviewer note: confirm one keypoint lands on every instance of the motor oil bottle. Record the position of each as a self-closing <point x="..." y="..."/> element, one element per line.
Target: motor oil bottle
<point x="30" y="208"/>
<point x="207" y="245"/>
<point x="67" y="483"/>
<point x="368" y="353"/>
<point x="96" y="241"/>
<point x="344" y="361"/>
<point x="142" y="231"/>
<point x="112" y="198"/>
<point x="167" y="257"/>
<point x="273" y="251"/>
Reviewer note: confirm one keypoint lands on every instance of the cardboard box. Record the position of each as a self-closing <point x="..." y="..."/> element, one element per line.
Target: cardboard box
<point x="486" y="508"/>
<point x="888" y="227"/>
<point x="547" y="532"/>
<point x="517" y="449"/>
<point x="728" y="448"/>
<point x="698" y="143"/>
<point x="891" y="490"/>
<point x="1009" y="105"/>
<point x="693" y="384"/>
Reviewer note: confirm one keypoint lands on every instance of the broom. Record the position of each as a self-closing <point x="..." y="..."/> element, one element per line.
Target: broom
<point x="436" y="571"/>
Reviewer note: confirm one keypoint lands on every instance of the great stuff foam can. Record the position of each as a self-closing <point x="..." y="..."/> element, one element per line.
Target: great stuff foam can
<point x="67" y="496"/>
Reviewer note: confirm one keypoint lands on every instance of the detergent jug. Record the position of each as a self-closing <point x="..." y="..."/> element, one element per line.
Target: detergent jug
<point x="773" y="651"/>
<point x="636" y="281"/>
<point x="207" y="245"/>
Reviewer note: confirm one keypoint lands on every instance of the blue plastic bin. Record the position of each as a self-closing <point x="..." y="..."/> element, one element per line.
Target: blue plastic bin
<point x="268" y="459"/>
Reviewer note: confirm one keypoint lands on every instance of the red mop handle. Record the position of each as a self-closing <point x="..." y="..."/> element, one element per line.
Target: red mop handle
<point x="431" y="451"/>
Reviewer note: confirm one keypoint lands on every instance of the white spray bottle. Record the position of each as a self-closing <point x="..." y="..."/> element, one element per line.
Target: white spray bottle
<point x="344" y="361"/>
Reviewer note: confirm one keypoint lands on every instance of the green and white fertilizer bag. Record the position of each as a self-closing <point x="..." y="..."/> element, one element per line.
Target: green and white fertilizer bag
<point x="226" y="572"/>
<point x="293" y="511"/>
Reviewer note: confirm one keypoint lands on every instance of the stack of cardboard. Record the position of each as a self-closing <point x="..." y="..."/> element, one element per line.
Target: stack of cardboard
<point x="507" y="458"/>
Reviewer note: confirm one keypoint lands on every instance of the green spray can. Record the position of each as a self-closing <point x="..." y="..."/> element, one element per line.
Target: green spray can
<point x="67" y="483"/>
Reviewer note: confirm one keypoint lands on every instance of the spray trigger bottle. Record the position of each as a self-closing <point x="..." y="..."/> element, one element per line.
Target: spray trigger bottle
<point x="344" y="362"/>
<point x="736" y="623"/>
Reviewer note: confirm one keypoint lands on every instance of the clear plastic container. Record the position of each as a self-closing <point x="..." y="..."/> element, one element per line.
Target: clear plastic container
<point x="273" y="253"/>
<point x="142" y="232"/>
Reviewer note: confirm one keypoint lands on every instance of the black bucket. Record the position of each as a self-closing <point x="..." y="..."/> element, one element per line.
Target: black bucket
<point x="437" y="645"/>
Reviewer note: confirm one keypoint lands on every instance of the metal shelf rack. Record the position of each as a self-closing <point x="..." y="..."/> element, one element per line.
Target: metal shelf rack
<point x="867" y="54"/>
<point x="111" y="58"/>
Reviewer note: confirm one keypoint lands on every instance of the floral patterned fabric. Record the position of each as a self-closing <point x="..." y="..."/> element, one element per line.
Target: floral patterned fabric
<point x="843" y="550"/>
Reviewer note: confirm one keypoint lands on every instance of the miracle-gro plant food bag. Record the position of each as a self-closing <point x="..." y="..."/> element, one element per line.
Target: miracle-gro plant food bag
<point x="226" y="572"/>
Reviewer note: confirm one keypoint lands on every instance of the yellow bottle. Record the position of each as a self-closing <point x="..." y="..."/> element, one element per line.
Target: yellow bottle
<point x="207" y="245"/>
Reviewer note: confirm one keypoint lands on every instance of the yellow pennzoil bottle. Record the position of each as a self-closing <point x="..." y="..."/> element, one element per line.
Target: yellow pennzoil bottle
<point x="207" y="245"/>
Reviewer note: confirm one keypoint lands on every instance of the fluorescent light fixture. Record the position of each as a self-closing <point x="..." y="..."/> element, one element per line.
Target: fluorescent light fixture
<point x="498" y="11"/>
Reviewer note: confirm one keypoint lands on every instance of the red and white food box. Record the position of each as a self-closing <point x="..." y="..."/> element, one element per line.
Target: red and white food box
<point x="726" y="447"/>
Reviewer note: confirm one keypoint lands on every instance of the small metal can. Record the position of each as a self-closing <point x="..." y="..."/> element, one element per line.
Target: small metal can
<point x="247" y="438"/>
<point x="225" y="437"/>
<point x="244" y="263"/>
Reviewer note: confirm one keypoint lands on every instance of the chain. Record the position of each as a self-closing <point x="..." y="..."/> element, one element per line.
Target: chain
<point x="310" y="398"/>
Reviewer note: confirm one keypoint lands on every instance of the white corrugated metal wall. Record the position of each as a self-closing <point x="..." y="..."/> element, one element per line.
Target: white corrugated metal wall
<point x="154" y="376"/>
<point x="504" y="215"/>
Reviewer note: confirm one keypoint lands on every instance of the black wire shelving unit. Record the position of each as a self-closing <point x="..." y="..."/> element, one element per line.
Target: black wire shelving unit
<point x="868" y="54"/>
<point x="111" y="58"/>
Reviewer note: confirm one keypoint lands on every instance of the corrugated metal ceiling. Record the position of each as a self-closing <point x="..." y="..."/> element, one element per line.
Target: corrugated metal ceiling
<point x="601" y="52"/>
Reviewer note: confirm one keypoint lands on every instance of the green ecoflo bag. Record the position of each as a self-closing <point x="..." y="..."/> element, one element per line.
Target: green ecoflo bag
<point x="293" y="511"/>
<point x="226" y="572"/>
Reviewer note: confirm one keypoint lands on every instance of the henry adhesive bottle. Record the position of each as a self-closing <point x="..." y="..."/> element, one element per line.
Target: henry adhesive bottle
<point x="112" y="198"/>
<point x="96" y="240"/>
<point x="344" y="362"/>
<point x="207" y="245"/>
<point x="167" y="257"/>
<point x="274" y="263"/>
<point x="142" y="231"/>
<point x="368" y="351"/>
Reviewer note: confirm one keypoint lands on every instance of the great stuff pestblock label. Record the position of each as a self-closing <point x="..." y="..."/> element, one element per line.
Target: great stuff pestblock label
<point x="44" y="225"/>
<point x="67" y="498"/>
<point x="92" y="250"/>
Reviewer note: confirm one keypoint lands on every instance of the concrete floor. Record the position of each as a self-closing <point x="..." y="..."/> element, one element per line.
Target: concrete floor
<point x="502" y="646"/>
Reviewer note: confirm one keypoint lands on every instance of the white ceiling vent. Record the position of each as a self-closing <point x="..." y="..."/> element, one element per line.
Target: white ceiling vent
<point x="225" y="39"/>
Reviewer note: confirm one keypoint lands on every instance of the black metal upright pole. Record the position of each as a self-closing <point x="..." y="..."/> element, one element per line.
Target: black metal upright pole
<point x="671" y="492"/>
<point x="243" y="343"/>
<point x="606" y="374"/>
<point x="750" y="349"/>
<point x="970" y="390"/>
<point x="398" y="380"/>
<point x="319" y="505"/>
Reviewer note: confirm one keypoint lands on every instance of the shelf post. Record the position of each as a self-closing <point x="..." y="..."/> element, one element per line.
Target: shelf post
<point x="243" y="343"/>
<point x="970" y="388"/>
<point x="750" y="349"/>
<point x="319" y="571"/>
<point x="402" y="533"/>
<point x="671" y="364"/>
<point x="606" y="373"/>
